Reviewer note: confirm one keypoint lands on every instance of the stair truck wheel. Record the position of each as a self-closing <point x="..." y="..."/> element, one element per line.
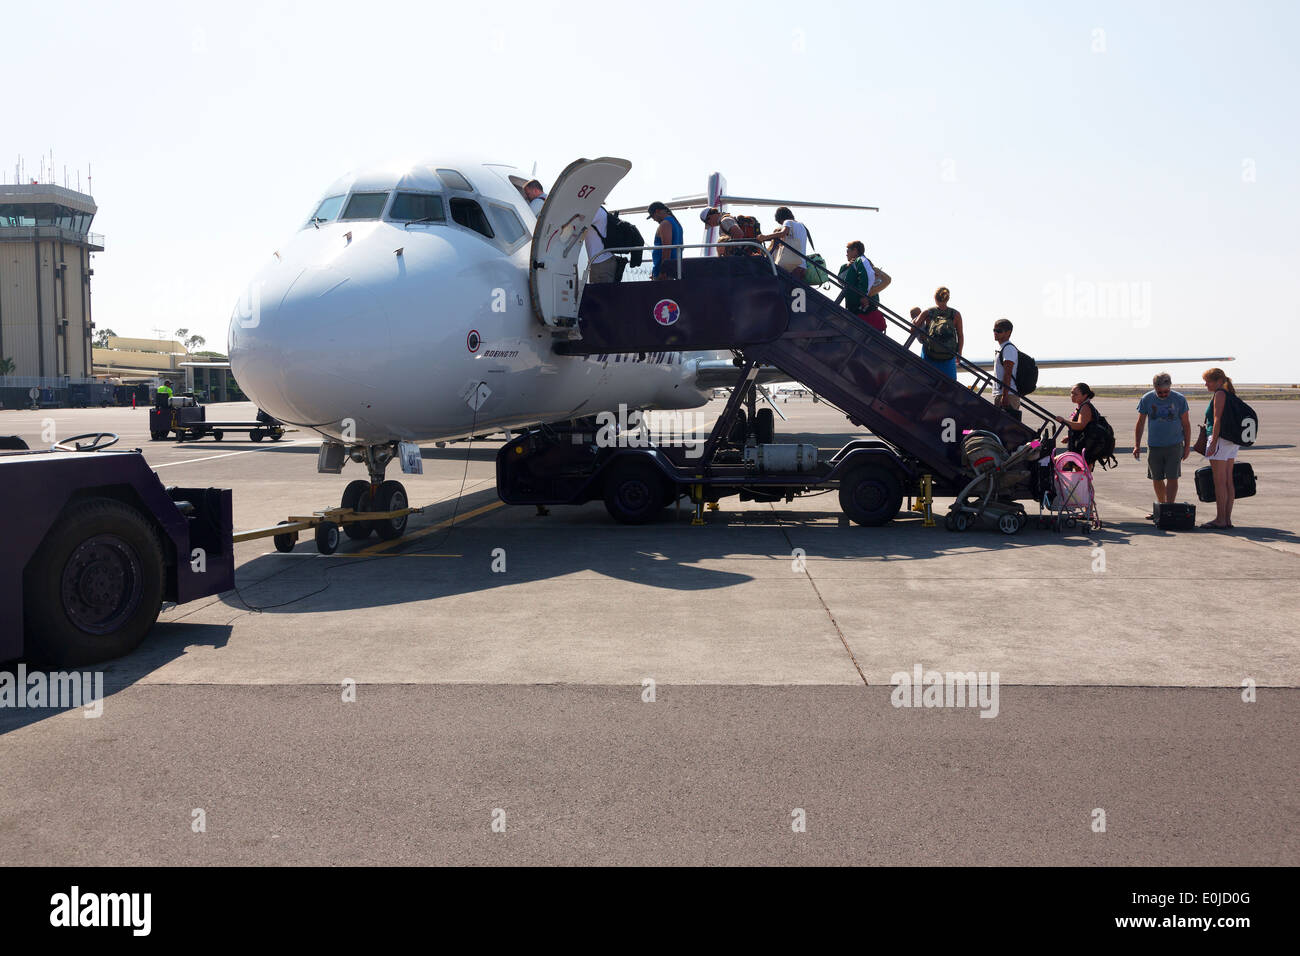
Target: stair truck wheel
<point x="870" y="494"/>
<point x="764" y="426"/>
<point x="94" y="587"/>
<point x="284" y="542"/>
<point x="634" y="491"/>
<point x="355" y="496"/>
<point x="739" y="428"/>
<point x="327" y="537"/>
<point x="391" y="497"/>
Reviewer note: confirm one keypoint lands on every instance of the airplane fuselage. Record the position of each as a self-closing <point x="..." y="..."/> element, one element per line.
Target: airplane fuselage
<point x="371" y="330"/>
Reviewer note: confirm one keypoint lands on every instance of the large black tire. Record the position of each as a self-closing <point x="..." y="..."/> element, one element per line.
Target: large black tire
<point x="634" y="491"/>
<point x="764" y="426"/>
<point x="739" y="428"/>
<point x="256" y="435"/>
<point x="391" y="497"/>
<point x="94" y="587"/>
<point x="871" y="494"/>
<point x="356" y="496"/>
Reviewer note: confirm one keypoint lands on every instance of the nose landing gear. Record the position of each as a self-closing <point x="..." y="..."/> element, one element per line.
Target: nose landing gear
<point x="377" y="495"/>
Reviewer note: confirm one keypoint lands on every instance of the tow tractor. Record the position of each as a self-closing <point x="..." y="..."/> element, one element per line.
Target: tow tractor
<point x="188" y="419"/>
<point x="97" y="546"/>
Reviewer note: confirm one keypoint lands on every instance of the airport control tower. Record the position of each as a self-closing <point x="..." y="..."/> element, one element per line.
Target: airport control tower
<point x="45" y="249"/>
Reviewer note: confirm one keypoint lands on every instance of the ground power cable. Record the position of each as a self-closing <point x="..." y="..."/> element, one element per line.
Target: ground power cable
<point x="469" y="451"/>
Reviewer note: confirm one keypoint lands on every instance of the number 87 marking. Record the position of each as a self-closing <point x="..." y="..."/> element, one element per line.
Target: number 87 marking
<point x="585" y="191"/>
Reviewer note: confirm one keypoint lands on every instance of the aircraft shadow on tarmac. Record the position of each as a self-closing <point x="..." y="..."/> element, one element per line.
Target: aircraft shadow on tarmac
<point x="667" y="553"/>
<point x="163" y="644"/>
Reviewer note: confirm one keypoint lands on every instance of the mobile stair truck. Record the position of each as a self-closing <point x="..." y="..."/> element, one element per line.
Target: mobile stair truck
<point x="772" y="323"/>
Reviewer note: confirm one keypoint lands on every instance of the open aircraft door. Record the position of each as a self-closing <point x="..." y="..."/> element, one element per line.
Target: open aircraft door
<point x="557" y="241"/>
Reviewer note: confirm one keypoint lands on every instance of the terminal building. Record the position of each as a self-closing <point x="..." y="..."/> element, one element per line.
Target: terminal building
<point x="45" y="268"/>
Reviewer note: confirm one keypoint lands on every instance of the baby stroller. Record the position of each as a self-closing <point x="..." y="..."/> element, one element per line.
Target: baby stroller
<point x="997" y="474"/>
<point x="1070" y="500"/>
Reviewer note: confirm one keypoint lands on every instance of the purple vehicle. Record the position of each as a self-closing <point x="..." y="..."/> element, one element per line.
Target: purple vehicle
<point x="96" y="547"/>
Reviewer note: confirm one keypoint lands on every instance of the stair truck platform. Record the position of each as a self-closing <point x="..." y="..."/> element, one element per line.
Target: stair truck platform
<point x="917" y="416"/>
<point x="96" y="545"/>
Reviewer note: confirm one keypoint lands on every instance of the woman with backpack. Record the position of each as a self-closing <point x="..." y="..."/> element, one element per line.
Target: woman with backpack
<point x="1221" y="453"/>
<point x="1084" y="415"/>
<point x="946" y="338"/>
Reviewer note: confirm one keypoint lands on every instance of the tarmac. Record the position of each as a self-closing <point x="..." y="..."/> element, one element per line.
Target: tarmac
<point x="562" y="689"/>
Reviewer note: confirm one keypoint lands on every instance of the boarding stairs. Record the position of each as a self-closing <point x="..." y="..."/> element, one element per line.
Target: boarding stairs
<point x="767" y="316"/>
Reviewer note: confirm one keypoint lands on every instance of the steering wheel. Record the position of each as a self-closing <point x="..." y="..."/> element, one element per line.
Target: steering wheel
<point x="97" y="441"/>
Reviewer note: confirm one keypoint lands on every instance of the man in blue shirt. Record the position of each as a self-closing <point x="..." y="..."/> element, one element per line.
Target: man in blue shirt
<point x="1171" y="436"/>
<point x="669" y="233"/>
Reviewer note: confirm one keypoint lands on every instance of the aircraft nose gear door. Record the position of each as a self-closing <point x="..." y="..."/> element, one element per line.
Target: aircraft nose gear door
<point x="557" y="241"/>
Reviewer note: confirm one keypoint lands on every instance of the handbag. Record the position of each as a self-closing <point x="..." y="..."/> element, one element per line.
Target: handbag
<point x="1201" y="440"/>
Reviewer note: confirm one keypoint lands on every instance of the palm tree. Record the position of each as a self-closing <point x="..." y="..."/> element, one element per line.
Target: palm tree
<point x="7" y="366"/>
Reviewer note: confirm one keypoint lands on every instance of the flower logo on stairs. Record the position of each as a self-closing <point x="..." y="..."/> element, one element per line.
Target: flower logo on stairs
<point x="666" y="311"/>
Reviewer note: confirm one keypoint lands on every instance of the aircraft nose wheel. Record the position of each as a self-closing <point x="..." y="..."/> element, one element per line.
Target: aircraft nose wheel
<point x="391" y="497"/>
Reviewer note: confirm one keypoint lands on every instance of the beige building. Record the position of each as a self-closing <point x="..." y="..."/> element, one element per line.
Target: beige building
<point x="45" y="269"/>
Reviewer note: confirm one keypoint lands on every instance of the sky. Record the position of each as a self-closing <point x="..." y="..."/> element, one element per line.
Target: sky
<point x="1118" y="179"/>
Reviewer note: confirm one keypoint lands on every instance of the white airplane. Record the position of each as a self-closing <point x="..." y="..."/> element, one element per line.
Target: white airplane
<point x="405" y="310"/>
<point x="419" y="303"/>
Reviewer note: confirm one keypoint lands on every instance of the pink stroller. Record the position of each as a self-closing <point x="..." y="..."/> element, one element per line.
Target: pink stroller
<point x="1070" y="500"/>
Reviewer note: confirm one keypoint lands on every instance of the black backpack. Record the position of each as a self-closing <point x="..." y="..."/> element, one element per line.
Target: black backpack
<point x="1027" y="378"/>
<point x="1239" y="422"/>
<point x="619" y="233"/>
<point x="1099" y="441"/>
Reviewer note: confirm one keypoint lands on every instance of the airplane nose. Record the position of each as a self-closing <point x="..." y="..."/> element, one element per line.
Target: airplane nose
<point x="289" y="334"/>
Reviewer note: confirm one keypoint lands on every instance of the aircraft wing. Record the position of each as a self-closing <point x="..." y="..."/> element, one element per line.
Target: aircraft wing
<point x="987" y="364"/>
<point x="722" y="373"/>
<point x="702" y="202"/>
<point x="204" y="365"/>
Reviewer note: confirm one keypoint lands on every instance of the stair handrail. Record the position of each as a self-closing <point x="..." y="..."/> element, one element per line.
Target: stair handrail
<point x="915" y="331"/>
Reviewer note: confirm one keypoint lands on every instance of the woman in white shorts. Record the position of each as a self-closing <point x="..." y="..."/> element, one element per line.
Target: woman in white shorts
<point x="1221" y="453"/>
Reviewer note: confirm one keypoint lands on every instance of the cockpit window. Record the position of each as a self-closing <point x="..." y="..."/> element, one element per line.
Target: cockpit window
<point x="469" y="214"/>
<point x="364" y="206"/>
<point x="454" y="180"/>
<point x="507" y="223"/>
<point x="417" y="207"/>
<point x="328" y="210"/>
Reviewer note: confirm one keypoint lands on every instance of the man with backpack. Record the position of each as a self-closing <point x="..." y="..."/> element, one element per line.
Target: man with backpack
<point x="863" y="283"/>
<point x="604" y="265"/>
<point x="1006" y="360"/>
<point x="728" y="229"/>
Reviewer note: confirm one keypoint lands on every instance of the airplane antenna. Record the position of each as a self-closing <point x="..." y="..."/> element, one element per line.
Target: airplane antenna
<point x="533" y="175"/>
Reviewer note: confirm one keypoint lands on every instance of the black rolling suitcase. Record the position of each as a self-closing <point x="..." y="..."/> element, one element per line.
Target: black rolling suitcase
<point x="1174" y="516"/>
<point x="1243" y="481"/>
